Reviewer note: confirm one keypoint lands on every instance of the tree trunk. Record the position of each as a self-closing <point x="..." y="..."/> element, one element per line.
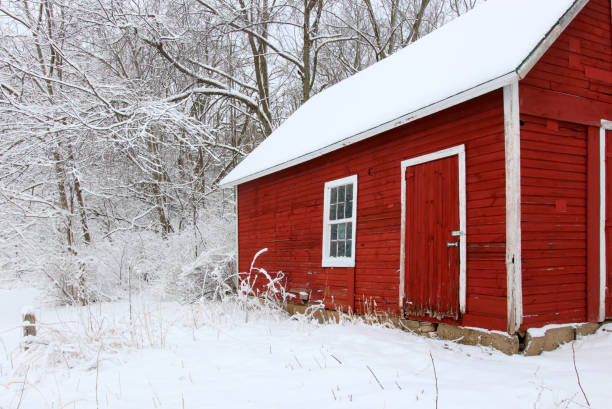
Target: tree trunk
<point x="79" y="195"/>
<point x="63" y="199"/>
<point x="416" y="27"/>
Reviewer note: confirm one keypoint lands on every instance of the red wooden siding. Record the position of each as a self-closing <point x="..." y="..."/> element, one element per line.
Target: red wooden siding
<point x="284" y="212"/>
<point x="563" y="99"/>
<point x="577" y="62"/>
<point x="553" y="210"/>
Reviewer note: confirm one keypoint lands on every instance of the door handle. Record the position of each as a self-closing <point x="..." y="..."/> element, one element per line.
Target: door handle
<point x="453" y="244"/>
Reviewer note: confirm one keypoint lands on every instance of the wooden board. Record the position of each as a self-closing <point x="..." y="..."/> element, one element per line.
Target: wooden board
<point x="283" y="212"/>
<point x="562" y="100"/>
<point x="432" y="214"/>
<point x="608" y="224"/>
<point x="554" y="220"/>
<point x="593" y="228"/>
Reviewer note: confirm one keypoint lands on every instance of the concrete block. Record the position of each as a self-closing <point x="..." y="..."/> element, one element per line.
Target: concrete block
<point x="550" y="341"/>
<point x="508" y="344"/>
<point x="427" y="327"/>
<point x="587" y="329"/>
<point x="293" y="309"/>
<point x="404" y="324"/>
<point x="419" y="327"/>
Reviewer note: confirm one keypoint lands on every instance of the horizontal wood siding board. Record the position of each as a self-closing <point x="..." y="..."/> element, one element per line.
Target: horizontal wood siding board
<point x="553" y="218"/>
<point x="558" y="100"/>
<point x="283" y="211"/>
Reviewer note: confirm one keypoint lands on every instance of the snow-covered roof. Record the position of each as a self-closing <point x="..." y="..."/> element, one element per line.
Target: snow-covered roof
<point x="478" y="52"/>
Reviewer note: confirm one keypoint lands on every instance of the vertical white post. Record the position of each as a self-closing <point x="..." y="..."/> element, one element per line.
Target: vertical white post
<point x="462" y="232"/>
<point x="237" y="278"/>
<point x="513" y="207"/>
<point x="402" y="281"/>
<point x="605" y="125"/>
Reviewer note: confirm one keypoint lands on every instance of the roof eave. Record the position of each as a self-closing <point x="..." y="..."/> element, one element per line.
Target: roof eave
<point x="449" y="102"/>
<point x="499" y="82"/>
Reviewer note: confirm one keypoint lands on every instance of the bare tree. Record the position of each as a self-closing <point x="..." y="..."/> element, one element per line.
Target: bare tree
<point x="458" y="7"/>
<point x="124" y="116"/>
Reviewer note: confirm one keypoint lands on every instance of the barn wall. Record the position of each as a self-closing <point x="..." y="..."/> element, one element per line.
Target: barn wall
<point x="563" y="99"/>
<point x="284" y="212"/>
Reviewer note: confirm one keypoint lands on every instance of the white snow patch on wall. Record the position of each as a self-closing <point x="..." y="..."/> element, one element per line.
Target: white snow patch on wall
<point x="540" y="332"/>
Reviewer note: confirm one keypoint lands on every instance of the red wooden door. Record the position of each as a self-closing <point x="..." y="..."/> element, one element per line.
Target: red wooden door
<point x="432" y="251"/>
<point x="608" y="231"/>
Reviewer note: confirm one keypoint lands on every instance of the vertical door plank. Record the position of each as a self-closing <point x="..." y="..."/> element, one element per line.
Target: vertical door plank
<point x="432" y="214"/>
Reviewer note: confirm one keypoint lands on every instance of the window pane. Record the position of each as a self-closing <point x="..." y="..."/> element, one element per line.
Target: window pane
<point x="349" y="248"/>
<point x="349" y="192"/>
<point x="332" y="212"/>
<point x="340" y="207"/>
<point x="332" y="196"/>
<point x="340" y="249"/>
<point x="349" y="230"/>
<point x="334" y="232"/>
<point x="348" y="210"/>
<point x="341" y="231"/>
<point x="340" y="194"/>
<point x="332" y="249"/>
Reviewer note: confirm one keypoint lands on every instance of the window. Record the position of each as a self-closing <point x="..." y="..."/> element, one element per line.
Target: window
<point x="339" y="222"/>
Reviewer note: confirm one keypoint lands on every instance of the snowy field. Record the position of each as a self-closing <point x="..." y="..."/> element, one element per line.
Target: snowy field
<point x="219" y="355"/>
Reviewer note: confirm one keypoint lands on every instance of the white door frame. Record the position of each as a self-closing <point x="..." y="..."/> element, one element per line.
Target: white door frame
<point x="605" y="126"/>
<point x="445" y="153"/>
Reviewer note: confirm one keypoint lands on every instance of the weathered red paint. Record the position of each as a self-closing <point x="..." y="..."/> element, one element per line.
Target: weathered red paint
<point x="284" y="212"/>
<point x="432" y="214"/>
<point x="562" y="101"/>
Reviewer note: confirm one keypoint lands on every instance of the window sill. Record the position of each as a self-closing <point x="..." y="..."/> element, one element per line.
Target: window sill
<point x="338" y="262"/>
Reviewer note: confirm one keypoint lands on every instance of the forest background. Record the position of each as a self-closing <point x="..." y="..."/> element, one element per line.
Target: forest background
<point x="119" y="118"/>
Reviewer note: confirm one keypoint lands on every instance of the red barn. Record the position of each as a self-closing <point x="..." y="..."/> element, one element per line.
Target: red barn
<point x="463" y="180"/>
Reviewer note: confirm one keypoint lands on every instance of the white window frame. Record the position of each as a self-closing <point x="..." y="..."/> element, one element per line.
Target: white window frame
<point x="328" y="261"/>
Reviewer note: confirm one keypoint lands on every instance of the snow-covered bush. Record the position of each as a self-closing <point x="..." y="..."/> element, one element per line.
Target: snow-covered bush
<point x="196" y="262"/>
<point x="268" y="288"/>
<point x="80" y="336"/>
<point x="210" y="276"/>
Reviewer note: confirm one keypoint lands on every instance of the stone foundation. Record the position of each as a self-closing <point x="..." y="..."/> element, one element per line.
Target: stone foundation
<point x="528" y="344"/>
<point x="555" y="336"/>
<point x="508" y="344"/>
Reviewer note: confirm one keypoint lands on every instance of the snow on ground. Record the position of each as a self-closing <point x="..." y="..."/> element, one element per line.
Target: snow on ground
<point x="216" y="355"/>
<point x="11" y="304"/>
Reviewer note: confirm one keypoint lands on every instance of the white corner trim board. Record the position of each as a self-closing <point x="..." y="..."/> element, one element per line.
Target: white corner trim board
<point x="513" y="207"/>
<point x="605" y="126"/>
<point x="460" y="152"/>
<point x="236" y="227"/>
